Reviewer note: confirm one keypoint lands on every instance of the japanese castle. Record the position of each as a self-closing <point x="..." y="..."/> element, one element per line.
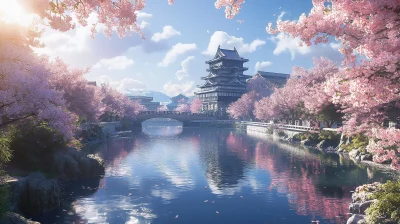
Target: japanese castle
<point x="225" y="82"/>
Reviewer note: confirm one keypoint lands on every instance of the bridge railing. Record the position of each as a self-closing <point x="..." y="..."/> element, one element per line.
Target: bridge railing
<point x="281" y="126"/>
<point x="175" y="112"/>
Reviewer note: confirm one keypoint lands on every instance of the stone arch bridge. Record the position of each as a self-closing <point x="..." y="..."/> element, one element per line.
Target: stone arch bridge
<point x="184" y="117"/>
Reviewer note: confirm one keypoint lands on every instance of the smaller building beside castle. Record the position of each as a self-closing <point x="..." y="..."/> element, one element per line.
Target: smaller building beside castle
<point x="278" y="79"/>
<point x="146" y="101"/>
<point x="176" y="100"/>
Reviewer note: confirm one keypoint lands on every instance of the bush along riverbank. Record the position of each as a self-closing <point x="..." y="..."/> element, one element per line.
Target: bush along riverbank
<point x="39" y="162"/>
<point x="371" y="203"/>
<point x="354" y="147"/>
<point x="376" y="203"/>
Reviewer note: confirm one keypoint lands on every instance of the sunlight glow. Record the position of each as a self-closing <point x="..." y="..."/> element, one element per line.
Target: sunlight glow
<point x="13" y="12"/>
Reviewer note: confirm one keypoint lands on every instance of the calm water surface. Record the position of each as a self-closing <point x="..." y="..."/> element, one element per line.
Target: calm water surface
<point x="171" y="174"/>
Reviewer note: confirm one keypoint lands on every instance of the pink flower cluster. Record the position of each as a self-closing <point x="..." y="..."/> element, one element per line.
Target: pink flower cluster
<point x="33" y="87"/>
<point x="366" y="90"/>
<point x="257" y="88"/>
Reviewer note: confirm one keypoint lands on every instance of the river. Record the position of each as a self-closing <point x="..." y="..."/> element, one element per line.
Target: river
<point x="170" y="174"/>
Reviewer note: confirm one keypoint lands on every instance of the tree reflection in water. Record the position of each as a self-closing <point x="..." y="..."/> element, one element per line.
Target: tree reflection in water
<point x="158" y="174"/>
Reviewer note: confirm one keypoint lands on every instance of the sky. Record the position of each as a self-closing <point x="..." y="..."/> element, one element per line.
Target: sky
<point x="180" y="38"/>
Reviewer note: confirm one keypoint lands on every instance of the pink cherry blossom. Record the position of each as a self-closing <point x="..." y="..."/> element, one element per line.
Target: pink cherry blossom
<point x="162" y="108"/>
<point x="117" y="104"/>
<point x="196" y="105"/>
<point x="183" y="107"/>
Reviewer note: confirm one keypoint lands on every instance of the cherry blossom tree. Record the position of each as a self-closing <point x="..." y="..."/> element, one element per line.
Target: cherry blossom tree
<point x="117" y="105"/>
<point x="162" y="108"/>
<point x="183" y="107"/>
<point x="257" y="87"/>
<point x="261" y="86"/>
<point x="284" y="103"/>
<point x="364" y="89"/>
<point x="195" y="106"/>
<point x="64" y="15"/>
<point x="25" y="90"/>
<point x="303" y="96"/>
<point x="83" y="99"/>
<point x="243" y="107"/>
<point x="232" y="7"/>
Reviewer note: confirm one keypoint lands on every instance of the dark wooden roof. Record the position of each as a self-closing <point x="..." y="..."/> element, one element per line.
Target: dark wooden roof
<point x="273" y="75"/>
<point x="227" y="55"/>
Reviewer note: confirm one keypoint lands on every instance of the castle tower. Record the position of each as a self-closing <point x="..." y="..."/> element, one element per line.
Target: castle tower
<point x="225" y="82"/>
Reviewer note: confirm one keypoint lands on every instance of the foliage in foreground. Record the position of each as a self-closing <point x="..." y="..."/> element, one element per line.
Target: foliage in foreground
<point x="4" y="199"/>
<point x="387" y="206"/>
<point x="33" y="142"/>
<point x="358" y="141"/>
<point x="5" y="156"/>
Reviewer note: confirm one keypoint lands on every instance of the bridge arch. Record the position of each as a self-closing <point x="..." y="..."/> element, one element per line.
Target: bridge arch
<point x="184" y="117"/>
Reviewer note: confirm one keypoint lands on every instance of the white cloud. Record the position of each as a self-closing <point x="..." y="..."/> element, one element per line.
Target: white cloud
<point x="177" y="50"/>
<point x="118" y="63"/>
<point x="127" y="85"/>
<point x="104" y="79"/>
<point x="66" y="42"/>
<point x="286" y="43"/>
<point x="143" y="15"/>
<point x="260" y="65"/>
<point x="173" y="89"/>
<point x="143" y="24"/>
<point x="74" y="41"/>
<point x="184" y="71"/>
<point x="227" y="41"/>
<point x="168" y="32"/>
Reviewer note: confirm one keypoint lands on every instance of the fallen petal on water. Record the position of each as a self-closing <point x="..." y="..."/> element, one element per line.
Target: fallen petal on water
<point x="217" y="212"/>
<point x="206" y="201"/>
<point x="176" y="216"/>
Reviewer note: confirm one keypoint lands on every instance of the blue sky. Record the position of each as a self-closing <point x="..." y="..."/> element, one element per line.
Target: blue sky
<point x="180" y="38"/>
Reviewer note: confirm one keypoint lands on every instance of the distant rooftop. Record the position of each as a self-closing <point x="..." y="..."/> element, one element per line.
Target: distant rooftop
<point x="273" y="74"/>
<point x="140" y="97"/>
<point x="180" y="96"/>
<point x="92" y="83"/>
<point x="227" y="54"/>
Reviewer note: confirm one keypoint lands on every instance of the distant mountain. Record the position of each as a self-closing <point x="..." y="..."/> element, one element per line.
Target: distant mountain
<point x="157" y="96"/>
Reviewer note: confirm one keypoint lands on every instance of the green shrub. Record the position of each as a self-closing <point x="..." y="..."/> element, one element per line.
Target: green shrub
<point x="5" y="156"/>
<point x="4" y="199"/>
<point x="94" y="132"/>
<point x="5" y="150"/>
<point x="387" y="208"/>
<point x="126" y="124"/>
<point x="329" y="135"/>
<point x="270" y="130"/>
<point x="304" y="136"/>
<point x="299" y="137"/>
<point x="32" y="143"/>
<point x="282" y="134"/>
<point x="358" y="141"/>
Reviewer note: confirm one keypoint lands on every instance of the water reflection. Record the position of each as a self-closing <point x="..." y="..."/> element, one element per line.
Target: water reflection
<point x="162" y="127"/>
<point x="194" y="175"/>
